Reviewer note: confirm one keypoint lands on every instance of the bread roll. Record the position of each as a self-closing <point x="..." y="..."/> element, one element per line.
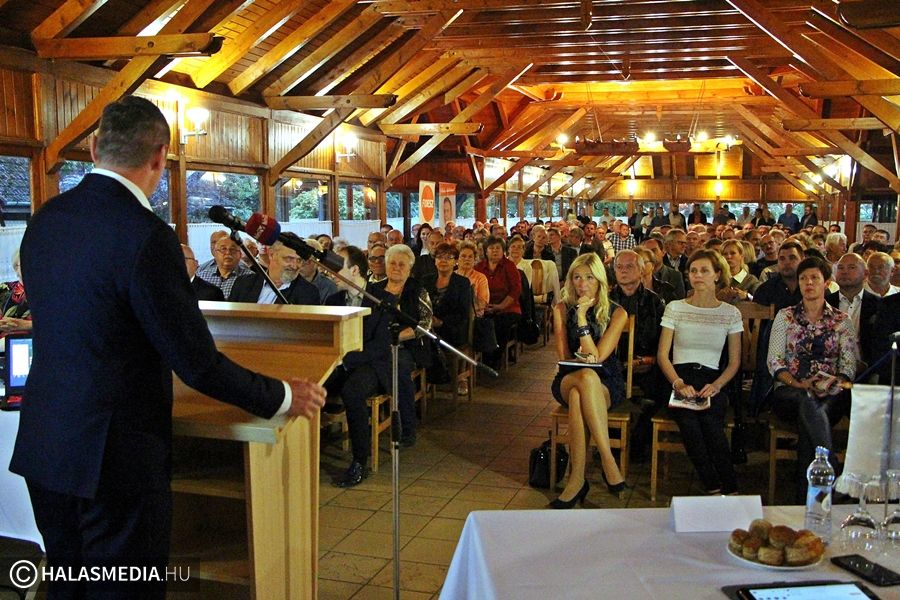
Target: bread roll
<point x="781" y="536"/>
<point x="796" y="556"/>
<point x="750" y="549"/>
<point x="736" y="542"/>
<point x="769" y="555"/>
<point x="760" y="528"/>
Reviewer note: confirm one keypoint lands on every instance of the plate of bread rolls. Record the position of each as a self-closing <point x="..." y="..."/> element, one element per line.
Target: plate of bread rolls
<point x="776" y="547"/>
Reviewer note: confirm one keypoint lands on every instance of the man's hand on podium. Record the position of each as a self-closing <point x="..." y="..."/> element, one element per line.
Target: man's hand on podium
<point x="308" y="397"/>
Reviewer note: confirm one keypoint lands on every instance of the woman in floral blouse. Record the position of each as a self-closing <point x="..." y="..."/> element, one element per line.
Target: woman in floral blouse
<point x="812" y="352"/>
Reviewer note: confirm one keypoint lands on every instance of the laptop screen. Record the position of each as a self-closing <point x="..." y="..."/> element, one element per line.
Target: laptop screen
<point x="18" y="362"/>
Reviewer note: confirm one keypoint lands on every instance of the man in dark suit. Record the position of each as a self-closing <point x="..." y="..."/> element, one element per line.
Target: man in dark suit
<point x="563" y="255"/>
<point x="663" y="271"/>
<point x="887" y="323"/>
<point x="850" y="275"/>
<point x="204" y="290"/>
<point x="114" y="314"/>
<point x="284" y="269"/>
<point x="363" y="373"/>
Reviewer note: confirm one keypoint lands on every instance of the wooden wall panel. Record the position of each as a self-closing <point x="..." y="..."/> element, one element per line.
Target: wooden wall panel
<point x="780" y="190"/>
<point x="369" y="161"/>
<point x="17" y="120"/>
<point x="450" y="170"/>
<point x="71" y="98"/>
<point x="703" y="190"/>
<point x="230" y="137"/>
<point x="732" y="165"/>
<point x="285" y="136"/>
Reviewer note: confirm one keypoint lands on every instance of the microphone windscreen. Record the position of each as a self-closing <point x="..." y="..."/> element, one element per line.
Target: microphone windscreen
<point x="263" y="228"/>
<point x="218" y="214"/>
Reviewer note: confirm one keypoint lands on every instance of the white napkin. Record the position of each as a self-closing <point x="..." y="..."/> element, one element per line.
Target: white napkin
<point x="870" y="433"/>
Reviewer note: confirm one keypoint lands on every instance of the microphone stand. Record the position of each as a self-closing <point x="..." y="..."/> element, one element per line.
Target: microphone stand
<point x="236" y="238"/>
<point x="399" y="319"/>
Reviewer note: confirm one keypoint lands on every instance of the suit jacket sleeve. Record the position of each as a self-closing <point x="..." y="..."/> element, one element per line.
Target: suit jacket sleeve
<point x="166" y="307"/>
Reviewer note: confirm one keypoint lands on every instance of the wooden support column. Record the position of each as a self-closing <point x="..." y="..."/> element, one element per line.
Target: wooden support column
<point x="897" y="169"/>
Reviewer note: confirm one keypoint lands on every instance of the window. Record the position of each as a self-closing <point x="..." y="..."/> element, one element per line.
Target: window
<point x="530" y="209"/>
<point x="236" y="192"/>
<point x="512" y="206"/>
<point x="465" y="209"/>
<point x="394" y="206"/>
<point x="15" y="188"/>
<point x="73" y="171"/>
<point x="555" y="206"/>
<point x="357" y="201"/>
<point x="413" y="198"/>
<point x="302" y="199"/>
<point x="493" y="206"/>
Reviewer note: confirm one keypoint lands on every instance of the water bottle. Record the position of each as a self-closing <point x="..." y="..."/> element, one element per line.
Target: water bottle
<point x="820" y="477"/>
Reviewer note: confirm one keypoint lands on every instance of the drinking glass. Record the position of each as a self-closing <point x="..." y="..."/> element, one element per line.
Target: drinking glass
<point x="891" y="526"/>
<point x="859" y="531"/>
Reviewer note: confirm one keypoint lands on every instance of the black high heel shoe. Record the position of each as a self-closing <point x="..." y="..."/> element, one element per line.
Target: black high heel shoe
<point x="579" y="497"/>
<point x="614" y="489"/>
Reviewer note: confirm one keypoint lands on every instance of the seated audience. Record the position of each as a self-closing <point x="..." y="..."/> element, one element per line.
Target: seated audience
<point x="769" y="246"/>
<point x="505" y="286"/>
<point x="375" y="237"/>
<point x="851" y="298"/>
<point x="204" y="290"/>
<point x="887" y="323"/>
<point x="811" y="341"/>
<point x="563" y="255"/>
<point x="375" y="258"/>
<point x="696" y="331"/>
<point x="284" y="270"/>
<point x="538" y="247"/>
<point x="394" y="237"/>
<point x="424" y="266"/>
<point x="586" y="322"/>
<point x="325" y="241"/>
<point x="226" y="268"/>
<point x="880" y="267"/>
<point x="451" y="297"/>
<point x="743" y="284"/>
<point x="663" y="272"/>
<point x="466" y="267"/>
<point x="309" y="270"/>
<point x="14" y="303"/>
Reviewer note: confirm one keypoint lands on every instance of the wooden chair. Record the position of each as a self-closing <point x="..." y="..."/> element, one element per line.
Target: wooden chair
<point x="379" y="421"/>
<point x="633" y="364"/>
<point x="510" y="352"/>
<point x="420" y="395"/>
<point x="666" y="437"/>
<point x="618" y="418"/>
<point x="338" y="418"/>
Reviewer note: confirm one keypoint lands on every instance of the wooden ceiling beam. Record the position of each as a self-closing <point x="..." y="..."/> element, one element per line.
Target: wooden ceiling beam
<point x="814" y="57"/>
<point x="66" y="18"/>
<point x="412" y="85"/>
<point x="467" y="113"/>
<point x="615" y="75"/>
<point x="123" y="82"/>
<point x="521" y="119"/>
<point x="124" y="47"/>
<point x="866" y="87"/>
<point x="235" y="49"/>
<point x="578" y="174"/>
<point x="356" y="59"/>
<point x="882" y="40"/>
<point x="373" y="78"/>
<point x="149" y="14"/>
<point x="554" y="168"/>
<point x="510" y="154"/>
<point x="606" y="186"/>
<point x="219" y="13"/>
<point x="290" y="45"/>
<point x="551" y="131"/>
<point x="847" y="38"/>
<point x="832" y="124"/>
<point x="464" y="86"/>
<point x="431" y="128"/>
<point x="508" y="174"/>
<point x="321" y="55"/>
<point x="814" y="151"/>
<point x="800" y="109"/>
<point x="301" y="103"/>
<point x="406" y="106"/>
<point x="520" y="10"/>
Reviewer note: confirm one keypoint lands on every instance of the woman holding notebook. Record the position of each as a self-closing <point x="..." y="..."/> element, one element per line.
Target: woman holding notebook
<point x="587" y="328"/>
<point x="697" y="330"/>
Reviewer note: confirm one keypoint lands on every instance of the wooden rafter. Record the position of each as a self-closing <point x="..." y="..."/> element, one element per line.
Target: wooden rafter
<point x="125" y="47"/>
<point x="408" y="80"/>
<point x="431" y="128"/>
<point x="290" y="45"/>
<point x="831" y="124"/>
<point x="467" y="113"/>
<point x="124" y="82"/>
<point x="510" y="154"/>
<point x="406" y="106"/>
<point x="318" y="57"/>
<point x="549" y="134"/>
<point x="508" y="174"/>
<point x="579" y="174"/>
<point x="152" y="12"/>
<point x="839" y="33"/>
<point x="554" y="167"/>
<point x="612" y="181"/>
<point x="800" y="109"/>
<point x="369" y="83"/>
<point x="235" y="49"/>
<point x="832" y="89"/>
<point x="814" y="57"/>
<point x="464" y="86"/>
<point x="66" y="18"/>
<point x="301" y="103"/>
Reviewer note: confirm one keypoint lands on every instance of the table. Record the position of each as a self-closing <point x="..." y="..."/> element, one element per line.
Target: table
<point x="16" y="516"/>
<point x="611" y="553"/>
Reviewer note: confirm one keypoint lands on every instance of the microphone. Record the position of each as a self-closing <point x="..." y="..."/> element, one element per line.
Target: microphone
<point x="267" y="230"/>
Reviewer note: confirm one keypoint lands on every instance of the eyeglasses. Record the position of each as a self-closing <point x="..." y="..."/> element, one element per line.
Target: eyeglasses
<point x="234" y="251"/>
<point x="376" y="259"/>
<point x="444" y="257"/>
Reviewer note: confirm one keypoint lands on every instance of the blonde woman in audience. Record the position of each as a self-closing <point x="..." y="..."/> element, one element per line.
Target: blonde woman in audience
<point x="743" y="284"/>
<point x="587" y="323"/>
<point x="468" y="256"/>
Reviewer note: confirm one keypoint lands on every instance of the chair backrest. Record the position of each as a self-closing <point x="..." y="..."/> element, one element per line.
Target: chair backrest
<point x="628" y="360"/>
<point x="753" y="315"/>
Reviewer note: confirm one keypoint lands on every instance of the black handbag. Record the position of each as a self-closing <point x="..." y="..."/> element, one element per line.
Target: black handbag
<point x="484" y="336"/>
<point x="539" y="465"/>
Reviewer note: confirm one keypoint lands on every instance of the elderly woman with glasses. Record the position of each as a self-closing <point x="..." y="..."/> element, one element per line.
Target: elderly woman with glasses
<point x="414" y="302"/>
<point x="451" y="296"/>
<point x="505" y="286"/>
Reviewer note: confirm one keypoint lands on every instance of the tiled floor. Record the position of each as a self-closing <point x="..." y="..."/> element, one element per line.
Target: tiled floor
<point x="473" y="457"/>
<point x="470" y="457"/>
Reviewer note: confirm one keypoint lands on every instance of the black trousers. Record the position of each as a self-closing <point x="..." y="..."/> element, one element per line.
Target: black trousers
<point x="504" y="326"/>
<point x="814" y="418"/>
<point x="703" y="432"/>
<point x="355" y="386"/>
<point x="116" y="529"/>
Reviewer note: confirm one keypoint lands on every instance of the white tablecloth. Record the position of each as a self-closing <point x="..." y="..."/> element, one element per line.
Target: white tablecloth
<point x="16" y="516"/>
<point x="617" y="553"/>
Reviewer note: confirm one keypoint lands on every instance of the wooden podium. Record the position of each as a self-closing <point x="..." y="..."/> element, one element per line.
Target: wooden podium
<point x="246" y="490"/>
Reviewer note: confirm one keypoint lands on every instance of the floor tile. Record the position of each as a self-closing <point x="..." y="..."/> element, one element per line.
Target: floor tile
<point x="441" y="528"/>
<point x="419" y="577"/>
<point x="361" y="498"/>
<point x="436" y="489"/>
<point x="420" y="505"/>
<point x="374" y="592"/>
<point x="501" y="495"/>
<point x="350" y="567"/>
<point x="336" y="590"/>
<point x="460" y="509"/>
<point x="435" y="552"/>
<point x="383" y="522"/>
<point x="329" y="536"/>
<point x="370" y="543"/>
